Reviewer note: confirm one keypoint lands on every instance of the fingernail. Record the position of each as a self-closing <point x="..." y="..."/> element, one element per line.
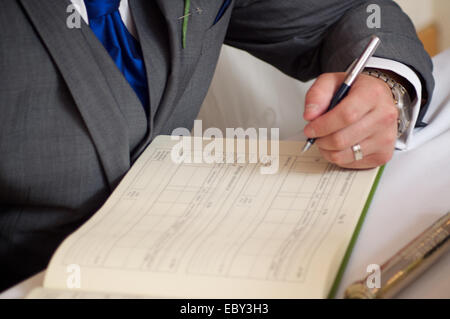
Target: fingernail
<point x="310" y="110"/>
<point x="311" y="107"/>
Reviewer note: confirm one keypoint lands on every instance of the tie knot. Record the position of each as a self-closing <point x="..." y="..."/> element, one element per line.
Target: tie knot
<point x="99" y="8"/>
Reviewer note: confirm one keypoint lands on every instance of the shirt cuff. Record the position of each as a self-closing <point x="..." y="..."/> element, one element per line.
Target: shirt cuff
<point x="405" y="72"/>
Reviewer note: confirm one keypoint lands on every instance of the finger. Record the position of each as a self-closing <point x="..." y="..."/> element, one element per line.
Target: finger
<point x="374" y="150"/>
<point x="371" y="161"/>
<point x="366" y="94"/>
<point x="381" y="120"/>
<point x="350" y="110"/>
<point x="320" y="94"/>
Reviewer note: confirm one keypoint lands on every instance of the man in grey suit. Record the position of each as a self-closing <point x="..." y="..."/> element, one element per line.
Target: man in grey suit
<point x="71" y="125"/>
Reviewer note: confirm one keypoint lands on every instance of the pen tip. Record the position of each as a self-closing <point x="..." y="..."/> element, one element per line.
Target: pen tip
<point x="306" y="147"/>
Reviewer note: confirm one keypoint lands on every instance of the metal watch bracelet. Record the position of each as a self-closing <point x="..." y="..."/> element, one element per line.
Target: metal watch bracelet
<point x="401" y="99"/>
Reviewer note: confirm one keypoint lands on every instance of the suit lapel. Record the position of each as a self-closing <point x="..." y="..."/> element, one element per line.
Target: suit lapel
<point x="72" y="55"/>
<point x="153" y="38"/>
<point x="181" y="63"/>
<point x="152" y="34"/>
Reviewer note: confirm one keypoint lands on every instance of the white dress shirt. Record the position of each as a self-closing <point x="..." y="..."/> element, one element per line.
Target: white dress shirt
<point x="378" y="63"/>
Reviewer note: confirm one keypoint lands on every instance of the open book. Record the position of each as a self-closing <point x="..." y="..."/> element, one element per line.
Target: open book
<point x="198" y="230"/>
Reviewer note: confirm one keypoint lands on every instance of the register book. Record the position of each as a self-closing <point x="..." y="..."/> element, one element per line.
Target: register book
<point x="217" y="230"/>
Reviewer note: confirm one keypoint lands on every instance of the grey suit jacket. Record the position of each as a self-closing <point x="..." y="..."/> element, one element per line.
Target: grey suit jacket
<point x="71" y="126"/>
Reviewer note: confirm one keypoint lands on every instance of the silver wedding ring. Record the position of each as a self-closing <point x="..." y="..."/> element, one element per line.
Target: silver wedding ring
<point x="357" y="152"/>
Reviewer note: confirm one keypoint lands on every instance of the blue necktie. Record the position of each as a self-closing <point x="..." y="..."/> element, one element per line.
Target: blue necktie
<point x="106" y="22"/>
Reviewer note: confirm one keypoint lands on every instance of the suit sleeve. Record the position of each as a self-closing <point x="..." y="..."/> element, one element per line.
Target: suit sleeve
<point x="304" y="38"/>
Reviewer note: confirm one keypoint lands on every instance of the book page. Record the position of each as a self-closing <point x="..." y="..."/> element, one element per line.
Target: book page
<point x="219" y="230"/>
<point x="49" y="293"/>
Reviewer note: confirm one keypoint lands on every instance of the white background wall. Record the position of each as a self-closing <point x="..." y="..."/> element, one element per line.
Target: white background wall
<point x="425" y="12"/>
<point x="442" y="14"/>
<point x="420" y="11"/>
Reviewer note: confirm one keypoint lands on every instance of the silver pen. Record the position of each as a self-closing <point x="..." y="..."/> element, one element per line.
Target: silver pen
<point x="354" y="70"/>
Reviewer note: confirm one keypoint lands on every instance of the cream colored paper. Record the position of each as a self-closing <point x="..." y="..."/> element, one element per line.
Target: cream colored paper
<point x="218" y="230"/>
<point x="49" y="293"/>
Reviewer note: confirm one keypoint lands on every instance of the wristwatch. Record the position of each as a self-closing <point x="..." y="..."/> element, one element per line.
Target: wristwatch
<point x="402" y="99"/>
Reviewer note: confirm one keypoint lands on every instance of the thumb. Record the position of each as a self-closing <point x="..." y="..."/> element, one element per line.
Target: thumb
<point x="320" y="94"/>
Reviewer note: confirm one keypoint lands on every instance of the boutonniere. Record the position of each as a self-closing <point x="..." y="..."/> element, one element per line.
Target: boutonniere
<point x="187" y="7"/>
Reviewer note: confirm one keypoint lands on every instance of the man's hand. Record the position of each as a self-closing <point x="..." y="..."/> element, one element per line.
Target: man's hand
<point x="366" y="116"/>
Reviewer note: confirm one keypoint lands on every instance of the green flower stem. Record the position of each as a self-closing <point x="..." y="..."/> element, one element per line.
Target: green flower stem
<point x="187" y="6"/>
